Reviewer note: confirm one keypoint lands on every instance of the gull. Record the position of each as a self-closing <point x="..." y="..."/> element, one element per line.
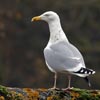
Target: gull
<point x="60" y="55"/>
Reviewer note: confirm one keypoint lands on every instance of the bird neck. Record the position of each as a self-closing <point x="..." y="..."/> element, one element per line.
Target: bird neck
<point x="56" y="32"/>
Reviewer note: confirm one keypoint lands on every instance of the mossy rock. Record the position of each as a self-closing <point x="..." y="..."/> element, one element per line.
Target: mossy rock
<point x="8" y="93"/>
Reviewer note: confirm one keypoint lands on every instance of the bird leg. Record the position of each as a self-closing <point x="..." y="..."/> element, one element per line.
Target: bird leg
<point x="55" y="80"/>
<point x="88" y="81"/>
<point x="69" y="81"/>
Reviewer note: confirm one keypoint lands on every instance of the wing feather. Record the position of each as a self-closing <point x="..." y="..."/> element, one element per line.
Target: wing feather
<point x="63" y="56"/>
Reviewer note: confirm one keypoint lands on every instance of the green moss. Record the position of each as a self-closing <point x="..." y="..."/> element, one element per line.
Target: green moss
<point x="3" y="89"/>
<point x="87" y="94"/>
<point x="8" y="93"/>
<point x="4" y="92"/>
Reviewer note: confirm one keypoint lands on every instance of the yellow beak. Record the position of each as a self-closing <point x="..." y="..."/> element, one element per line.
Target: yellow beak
<point x="36" y="18"/>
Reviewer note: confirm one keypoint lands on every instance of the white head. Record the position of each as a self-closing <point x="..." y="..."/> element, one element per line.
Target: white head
<point x="53" y="20"/>
<point x="48" y="16"/>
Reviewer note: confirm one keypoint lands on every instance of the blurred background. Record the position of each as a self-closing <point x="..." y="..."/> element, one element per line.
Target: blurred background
<point x="22" y="41"/>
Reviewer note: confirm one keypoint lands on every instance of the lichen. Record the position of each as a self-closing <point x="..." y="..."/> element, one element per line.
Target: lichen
<point x="31" y="94"/>
<point x="7" y="93"/>
<point x="2" y="98"/>
<point x="83" y="94"/>
<point x="50" y="98"/>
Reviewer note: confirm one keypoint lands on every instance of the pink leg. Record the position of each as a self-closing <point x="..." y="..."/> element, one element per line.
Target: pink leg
<point x="69" y="81"/>
<point x="55" y="81"/>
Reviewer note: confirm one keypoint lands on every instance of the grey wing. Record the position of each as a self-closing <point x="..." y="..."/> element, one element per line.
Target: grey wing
<point x="63" y="56"/>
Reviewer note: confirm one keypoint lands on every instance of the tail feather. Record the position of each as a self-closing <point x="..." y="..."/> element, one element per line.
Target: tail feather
<point x="85" y="71"/>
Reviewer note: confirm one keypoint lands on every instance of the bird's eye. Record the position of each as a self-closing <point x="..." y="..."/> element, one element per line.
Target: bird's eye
<point x="46" y="14"/>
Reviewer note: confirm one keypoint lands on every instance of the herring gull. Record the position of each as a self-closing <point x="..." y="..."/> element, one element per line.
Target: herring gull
<point x="60" y="55"/>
